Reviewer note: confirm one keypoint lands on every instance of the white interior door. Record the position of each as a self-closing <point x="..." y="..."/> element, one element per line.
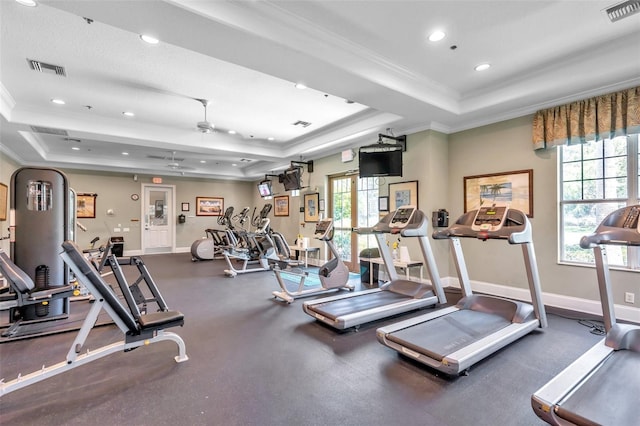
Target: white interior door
<point x="158" y="233"/>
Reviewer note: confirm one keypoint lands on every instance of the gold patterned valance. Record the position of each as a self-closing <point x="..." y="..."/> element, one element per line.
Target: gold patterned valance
<point x="601" y="117"/>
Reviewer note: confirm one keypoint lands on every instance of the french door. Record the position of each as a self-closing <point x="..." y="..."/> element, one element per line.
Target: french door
<point x="353" y="203"/>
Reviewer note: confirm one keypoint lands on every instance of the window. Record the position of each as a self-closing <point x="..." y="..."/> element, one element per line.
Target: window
<point x="368" y="214"/>
<point x="597" y="178"/>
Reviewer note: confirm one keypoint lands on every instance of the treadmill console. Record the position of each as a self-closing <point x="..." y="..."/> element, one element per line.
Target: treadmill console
<point x="323" y="229"/>
<point x="489" y="218"/>
<point x="621" y="227"/>
<point x="402" y="217"/>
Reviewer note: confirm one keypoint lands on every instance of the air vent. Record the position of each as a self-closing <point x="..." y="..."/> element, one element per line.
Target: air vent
<point x="165" y="157"/>
<point x="245" y="160"/>
<point x="72" y="140"/>
<point x="301" y="123"/>
<point x="49" y="131"/>
<point x="46" y="68"/>
<point x="623" y="10"/>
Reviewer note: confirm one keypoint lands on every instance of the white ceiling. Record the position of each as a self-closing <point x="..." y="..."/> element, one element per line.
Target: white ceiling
<point x="245" y="56"/>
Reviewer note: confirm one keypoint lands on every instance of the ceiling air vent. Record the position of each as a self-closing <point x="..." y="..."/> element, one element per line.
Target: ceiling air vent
<point x="165" y="157"/>
<point x="301" y="123"/>
<point x="49" y="131"/>
<point x="623" y="10"/>
<point x="245" y="160"/>
<point x="46" y="68"/>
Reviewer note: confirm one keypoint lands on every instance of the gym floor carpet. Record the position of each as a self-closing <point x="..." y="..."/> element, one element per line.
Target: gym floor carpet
<point x="257" y="361"/>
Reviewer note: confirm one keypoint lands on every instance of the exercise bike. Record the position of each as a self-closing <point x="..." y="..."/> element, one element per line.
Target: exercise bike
<point x="333" y="275"/>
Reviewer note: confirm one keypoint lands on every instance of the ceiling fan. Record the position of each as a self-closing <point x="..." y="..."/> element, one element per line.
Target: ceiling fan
<point x="205" y="126"/>
<point x="175" y="165"/>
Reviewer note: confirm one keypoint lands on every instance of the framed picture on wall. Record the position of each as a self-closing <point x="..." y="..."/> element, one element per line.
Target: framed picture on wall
<point x="312" y="207"/>
<point x="383" y="204"/>
<point x="403" y="194"/>
<point x="281" y="205"/>
<point x="86" y="206"/>
<point x="514" y="188"/>
<point x="209" y="206"/>
<point x="3" y="201"/>
<point x="185" y="207"/>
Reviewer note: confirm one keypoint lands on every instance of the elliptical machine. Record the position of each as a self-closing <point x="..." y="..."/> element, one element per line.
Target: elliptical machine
<point x="333" y="275"/>
<point x="211" y="247"/>
<point x="252" y="247"/>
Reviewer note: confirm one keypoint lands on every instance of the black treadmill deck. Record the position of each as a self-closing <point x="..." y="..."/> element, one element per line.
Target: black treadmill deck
<point x="606" y="398"/>
<point x="446" y="334"/>
<point x="351" y="305"/>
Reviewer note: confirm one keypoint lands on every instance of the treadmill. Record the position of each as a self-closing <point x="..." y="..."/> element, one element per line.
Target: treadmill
<point x="454" y="338"/>
<point x="603" y="385"/>
<point x="394" y="297"/>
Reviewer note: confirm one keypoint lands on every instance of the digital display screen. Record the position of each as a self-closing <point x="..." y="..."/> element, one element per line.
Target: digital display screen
<point x="264" y="188"/>
<point x="380" y="163"/>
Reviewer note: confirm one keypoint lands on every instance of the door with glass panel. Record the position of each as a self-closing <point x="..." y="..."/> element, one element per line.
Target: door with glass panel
<point x="353" y="203"/>
<point x="158" y="233"/>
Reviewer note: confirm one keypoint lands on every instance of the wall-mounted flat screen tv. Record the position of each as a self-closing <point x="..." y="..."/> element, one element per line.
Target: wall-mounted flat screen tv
<point x="264" y="188"/>
<point x="380" y="163"/>
<point x="291" y="179"/>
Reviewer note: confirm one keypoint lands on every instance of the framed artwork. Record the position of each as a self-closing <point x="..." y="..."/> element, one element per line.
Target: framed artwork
<point x="403" y="194"/>
<point x="209" y="206"/>
<point x="514" y="188"/>
<point x="86" y="206"/>
<point x="383" y="204"/>
<point x="281" y="205"/>
<point x="312" y="207"/>
<point x="3" y="201"/>
<point x="185" y="207"/>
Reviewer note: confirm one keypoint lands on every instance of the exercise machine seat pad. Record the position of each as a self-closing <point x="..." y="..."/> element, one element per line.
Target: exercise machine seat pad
<point x="158" y="320"/>
<point x="22" y="283"/>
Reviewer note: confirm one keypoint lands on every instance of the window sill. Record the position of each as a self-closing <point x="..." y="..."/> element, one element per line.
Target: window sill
<point x="593" y="266"/>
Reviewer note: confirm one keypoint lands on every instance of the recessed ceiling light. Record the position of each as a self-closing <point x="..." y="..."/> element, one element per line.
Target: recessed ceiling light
<point x="234" y="164"/>
<point x="271" y="139"/>
<point x="436" y="36"/>
<point x="28" y="3"/>
<point x="482" y="67"/>
<point x="58" y="101"/>
<point x="301" y="86"/>
<point x="128" y="114"/>
<point x="75" y="148"/>
<point x="125" y="153"/>
<point x="202" y="161"/>
<point x="232" y="132"/>
<point x="149" y="39"/>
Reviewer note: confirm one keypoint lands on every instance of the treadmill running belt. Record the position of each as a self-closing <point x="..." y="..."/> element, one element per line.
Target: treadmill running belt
<point x="609" y="396"/>
<point x="351" y="305"/>
<point x="446" y="334"/>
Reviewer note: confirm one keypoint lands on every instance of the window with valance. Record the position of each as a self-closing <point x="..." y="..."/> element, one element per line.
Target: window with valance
<point x="599" y="167"/>
<point x="598" y="118"/>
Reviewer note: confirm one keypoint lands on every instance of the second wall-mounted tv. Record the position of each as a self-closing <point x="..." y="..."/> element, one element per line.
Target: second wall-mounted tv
<point x="374" y="163"/>
<point x="291" y="179"/>
<point x="264" y="188"/>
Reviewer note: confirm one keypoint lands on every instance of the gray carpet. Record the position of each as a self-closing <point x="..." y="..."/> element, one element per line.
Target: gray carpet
<point x="257" y="361"/>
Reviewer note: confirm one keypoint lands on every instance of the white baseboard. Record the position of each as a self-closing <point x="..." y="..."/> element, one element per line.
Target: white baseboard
<point x="182" y="250"/>
<point x="587" y="306"/>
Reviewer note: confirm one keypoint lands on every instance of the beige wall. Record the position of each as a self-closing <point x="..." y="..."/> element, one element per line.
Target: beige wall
<point x="439" y="162"/>
<point x="506" y="146"/>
